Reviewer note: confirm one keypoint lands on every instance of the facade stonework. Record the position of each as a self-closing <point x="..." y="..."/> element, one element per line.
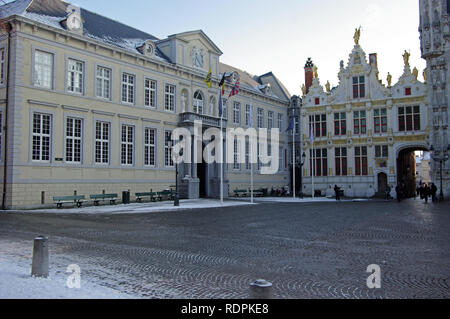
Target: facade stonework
<point x="87" y="109"/>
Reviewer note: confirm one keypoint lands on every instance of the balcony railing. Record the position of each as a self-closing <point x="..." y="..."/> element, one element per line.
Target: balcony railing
<point x="189" y="118"/>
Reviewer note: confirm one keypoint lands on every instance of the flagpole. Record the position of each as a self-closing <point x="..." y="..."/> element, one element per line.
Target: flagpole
<point x="251" y="152"/>
<point x="293" y="159"/>
<point x="313" y="164"/>
<point x="221" y="162"/>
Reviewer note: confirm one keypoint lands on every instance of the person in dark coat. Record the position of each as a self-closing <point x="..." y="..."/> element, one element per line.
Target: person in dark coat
<point x="426" y="193"/>
<point x="433" y="190"/>
<point x="337" y="190"/>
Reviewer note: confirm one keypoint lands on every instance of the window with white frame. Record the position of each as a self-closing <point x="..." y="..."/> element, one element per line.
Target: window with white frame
<point x="225" y="109"/>
<point x="127" y="145"/>
<point x="280" y="121"/>
<point x="150" y="93"/>
<point x="380" y="120"/>
<point x="260" y="118"/>
<point x="236" y="162"/>
<point x="75" y="76"/>
<point x="169" y="101"/>
<point x="381" y="151"/>
<point x="73" y="140"/>
<point x="41" y="137"/>
<point x="2" y="66"/>
<point x="236" y="113"/>
<point x="198" y="103"/>
<point x="102" y="136"/>
<point x="168" y="160"/>
<point x="43" y="69"/>
<point x="103" y="82"/>
<point x="270" y="120"/>
<point x="150" y="147"/>
<point x="128" y="85"/>
<point x="247" y="115"/>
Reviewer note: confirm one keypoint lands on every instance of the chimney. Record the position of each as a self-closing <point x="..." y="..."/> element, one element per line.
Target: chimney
<point x="308" y="74"/>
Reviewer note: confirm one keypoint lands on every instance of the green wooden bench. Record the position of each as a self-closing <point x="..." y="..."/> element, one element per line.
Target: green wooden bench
<point x="153" y="196"/>
<point x="60" y="200"/>
<point x="166" y="195"/>
<point x="240" y="193"/>
<point x="97" y="198"/>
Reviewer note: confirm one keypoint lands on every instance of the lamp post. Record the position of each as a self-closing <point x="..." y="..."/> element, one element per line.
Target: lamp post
<point x="176" y="197"/>
<point x="301" y="164"/>
<point x="441" y="157"/>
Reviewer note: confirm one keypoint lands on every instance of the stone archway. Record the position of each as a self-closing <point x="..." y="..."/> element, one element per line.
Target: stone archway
<point x="406" y="167"/>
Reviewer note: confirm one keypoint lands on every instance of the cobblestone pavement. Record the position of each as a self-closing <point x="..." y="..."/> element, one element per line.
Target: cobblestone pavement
<point x="306" y="250"/>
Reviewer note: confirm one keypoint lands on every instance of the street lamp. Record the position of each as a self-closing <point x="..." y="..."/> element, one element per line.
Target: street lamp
<point x="440" y="157"/>
<point x="176" y="197"/>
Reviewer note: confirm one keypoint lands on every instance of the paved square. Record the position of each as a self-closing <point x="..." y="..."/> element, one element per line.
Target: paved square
<point x="309" y="250"/>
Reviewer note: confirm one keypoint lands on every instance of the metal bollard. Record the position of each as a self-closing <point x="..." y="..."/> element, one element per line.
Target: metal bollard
<point x="261" y="289"/>
<point x="40" y="257"/>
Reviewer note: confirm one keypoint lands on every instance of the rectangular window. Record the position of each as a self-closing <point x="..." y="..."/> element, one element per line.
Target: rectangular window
<point x="236" y="113"/>
<point x="43" y="69"/>
<point x="361" y="161"/>
<point x="359" y="122"/>
<point x="340" y="124"/>
<point x="260" y="118"/>
<point x="359" y="87"/>
<point x="280" y="121"/>
<point x="248" y="164"/>
<point x="1" y="136"/>
<point x="236" y="162"/>
<point x="319" y="124"/>
<point x="150" y="93"/>
<point x="75" y="76"/>
<point x="281" y="163"/>
<point x="168" y="161"/>
<point x="73" y="140"/>
<point x="409" y="118"/>
<point x="150" y="147"/>
<point x="2" y="66"/>
<point x="247" y="115"/>
<point x="169" y="100"/>
<point x="381" y="151"/>
<point x="320" y="162"/>
<point x="102" y="142"/>
<point x="341" y="161"/>
<point x="225" y="109"/>
<point x="269" y="120"/>
<point x="103" y="83"/>
<point x="41" y="137"/>
<point x="380" y="120"/>
<point x="127" y="145"/>
<point x="128" y="83"/>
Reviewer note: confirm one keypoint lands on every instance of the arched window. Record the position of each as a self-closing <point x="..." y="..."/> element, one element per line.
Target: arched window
<point x="198" y="105"/>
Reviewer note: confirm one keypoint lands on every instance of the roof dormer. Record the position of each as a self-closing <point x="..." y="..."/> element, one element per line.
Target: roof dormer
<point x="148" y="48"/>
<point x="73" y="21"/>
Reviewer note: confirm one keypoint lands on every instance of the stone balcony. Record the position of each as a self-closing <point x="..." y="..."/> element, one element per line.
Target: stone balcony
<point x="189" y="118"/>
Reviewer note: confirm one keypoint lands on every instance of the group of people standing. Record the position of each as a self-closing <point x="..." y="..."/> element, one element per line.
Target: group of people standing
<point x="426" y="191"/>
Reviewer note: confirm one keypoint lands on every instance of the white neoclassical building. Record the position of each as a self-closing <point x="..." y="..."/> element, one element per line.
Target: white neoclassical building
<point x="88" y="105"/>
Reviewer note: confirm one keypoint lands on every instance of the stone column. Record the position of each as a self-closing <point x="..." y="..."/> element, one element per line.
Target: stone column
<point x="194" y="164"/>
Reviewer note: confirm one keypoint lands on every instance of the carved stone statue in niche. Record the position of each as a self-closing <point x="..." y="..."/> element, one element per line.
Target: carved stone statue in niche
<point x="436" y="118"/>
<point x="183" y="102"/>
<point x="211" y="107"/>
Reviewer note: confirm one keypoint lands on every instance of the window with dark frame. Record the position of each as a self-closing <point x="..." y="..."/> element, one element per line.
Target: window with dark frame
<point x="361" y="168"/>
<point x="360" y="122"/>
<point x="341" y="161"/>
<point x="359" y="87"/>
<point x="380" y="120"/>
<point x="320" y="162"/>
<point x="340" y="124"/>
<point x="409" y="118"/>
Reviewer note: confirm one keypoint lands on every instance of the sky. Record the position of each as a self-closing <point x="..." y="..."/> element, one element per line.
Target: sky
<point x="259" y="36"/>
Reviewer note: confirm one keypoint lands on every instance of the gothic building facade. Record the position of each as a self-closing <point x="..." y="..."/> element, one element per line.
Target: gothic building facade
<point x="362" y="134"/>
<point x="435" y="45"/>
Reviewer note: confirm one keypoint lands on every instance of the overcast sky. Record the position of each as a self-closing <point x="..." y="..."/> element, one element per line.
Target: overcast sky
<point x="266" y="35"/>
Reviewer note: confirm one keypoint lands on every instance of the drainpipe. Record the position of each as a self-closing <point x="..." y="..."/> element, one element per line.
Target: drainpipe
<point x="5" y="161"/>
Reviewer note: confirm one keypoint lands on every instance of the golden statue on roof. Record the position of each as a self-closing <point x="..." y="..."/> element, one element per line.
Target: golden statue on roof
<point x="415" y="72"/>
<point x="357" y="35"/>
<point x="389" y="79"/>
<point x="304" y="90"/>
<point x="328" y="86"/>
<point x="406" y="57"/>
<point x="315" y="72"/>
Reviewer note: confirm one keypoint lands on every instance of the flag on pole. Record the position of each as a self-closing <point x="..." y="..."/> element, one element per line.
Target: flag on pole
<point x="208" y="79"/>
<point x="235" y="89"/>
<point x="311" y="135"/>
<point x="291" y="126"/>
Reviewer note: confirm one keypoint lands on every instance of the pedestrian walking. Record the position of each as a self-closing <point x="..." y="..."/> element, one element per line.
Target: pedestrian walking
<point x="388" y="192"/>
<point x="433" y="190"/>
<point x="337" y="191"/>
<point x="426" y="193"/>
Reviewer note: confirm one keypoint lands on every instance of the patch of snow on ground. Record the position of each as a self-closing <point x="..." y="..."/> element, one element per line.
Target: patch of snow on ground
<point x="16" y="281"/>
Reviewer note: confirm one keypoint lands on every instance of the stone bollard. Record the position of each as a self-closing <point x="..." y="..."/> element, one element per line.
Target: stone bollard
<point x="40" y="257"/>
<point x="261" y="289"/>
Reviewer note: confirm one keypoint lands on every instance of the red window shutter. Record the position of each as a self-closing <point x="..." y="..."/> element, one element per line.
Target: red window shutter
<point x="407" y="91"/>
<point x="317" y="101"/>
